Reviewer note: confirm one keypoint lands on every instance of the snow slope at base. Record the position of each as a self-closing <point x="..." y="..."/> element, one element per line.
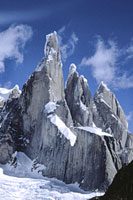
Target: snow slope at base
<point x="42" y="188"/>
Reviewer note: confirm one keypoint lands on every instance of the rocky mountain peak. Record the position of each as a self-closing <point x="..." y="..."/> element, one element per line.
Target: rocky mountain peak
<point x="77" y="138"/>
<point x="104" y="96"/>
<point x="52" y="46"/>
<point x="72" y="69"/>
<point x="102" y="87"/>
<point x="6" y="94"/>
<point x="15" y="92"/>
<point x="78" y="97"/>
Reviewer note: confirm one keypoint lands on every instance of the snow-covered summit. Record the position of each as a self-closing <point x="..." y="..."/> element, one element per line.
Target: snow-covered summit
<point x="51" y="45"/>
<point x="8" y="94"/>
<point x="102" y="85"/>
<point x="72" y="69"/>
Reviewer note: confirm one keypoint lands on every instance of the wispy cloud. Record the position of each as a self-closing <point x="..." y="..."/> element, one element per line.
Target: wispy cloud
<point x="103" y="61"/>
<point x="130" y="50"/>
<point x="122" y="82"/>
<point x="67" y="48"/>
<point x="105" y="65"/>
<point x="7" y="84"/>
<point x="130" y="116"/>
<point x="12" y="43"/>
<point x="22" y="16"/>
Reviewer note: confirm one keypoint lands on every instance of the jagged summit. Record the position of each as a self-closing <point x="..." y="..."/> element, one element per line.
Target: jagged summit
<point x="102" y="85"/>
<point x="77" y="138"/>
<point x="105" y="96"/>
<point x="51" y="51"/>
<point x="6" y="94"/>
<point x="72" y="69"/>
<point x="52" y="45"/>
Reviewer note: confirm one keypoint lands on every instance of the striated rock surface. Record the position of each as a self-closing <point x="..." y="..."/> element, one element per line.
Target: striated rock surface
<point x="9" y="123"/>
<point x="110" y="113"/>
<point x="78" y="139"/>
<point x="78" y="98"/>
<point x="109" y="116"/>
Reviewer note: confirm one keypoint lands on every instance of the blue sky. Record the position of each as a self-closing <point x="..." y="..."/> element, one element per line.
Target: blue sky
<point x="96" y="35"/>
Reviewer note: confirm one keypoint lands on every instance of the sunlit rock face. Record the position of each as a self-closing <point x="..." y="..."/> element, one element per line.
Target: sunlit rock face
<point x="109" y="116"/>
<point x="77" y="138"/>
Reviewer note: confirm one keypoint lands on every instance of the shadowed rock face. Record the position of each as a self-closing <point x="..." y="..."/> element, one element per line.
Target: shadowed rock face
<point x="78" y="98"/>
<point x="122" y="185"/>
<point x="58" y="127"/>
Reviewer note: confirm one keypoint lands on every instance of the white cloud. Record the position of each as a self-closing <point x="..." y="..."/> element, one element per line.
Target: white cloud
<point x="23" y="15"/>
<point x="130" y="50"/>
<point x="104" y="65"/>
<point x="8" y="84"/>
<point x="129" y="116"/>
<point x="12" y="43"/>
<point x="103" y="62"/>
<point x="123" y="82"/>
<point x="68" y="48"/>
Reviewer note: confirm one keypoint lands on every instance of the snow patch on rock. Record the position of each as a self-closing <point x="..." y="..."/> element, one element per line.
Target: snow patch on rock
<point x="63" y="129"/>
<point x="84" y="79"/>
<point x="104" y="85"/>
<point x="50" y="107"/>
<point x="6" y="94"/>
<point x="72" y="69"/>
<point x="94" y="130"/>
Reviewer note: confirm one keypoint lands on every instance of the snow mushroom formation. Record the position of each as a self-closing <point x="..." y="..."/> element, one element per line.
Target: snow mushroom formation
<point x="75" y="137"/>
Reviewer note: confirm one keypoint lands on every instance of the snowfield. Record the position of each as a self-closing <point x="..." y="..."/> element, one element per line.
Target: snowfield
<point x="22" y="182"/>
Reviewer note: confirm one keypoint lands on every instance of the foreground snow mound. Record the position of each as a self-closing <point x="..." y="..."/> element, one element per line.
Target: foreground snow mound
<point x="22" y="166"/>
<point x="29" y="188"/>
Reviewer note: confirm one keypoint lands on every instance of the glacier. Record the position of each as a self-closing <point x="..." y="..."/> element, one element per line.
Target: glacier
<point x="21" y="182"/>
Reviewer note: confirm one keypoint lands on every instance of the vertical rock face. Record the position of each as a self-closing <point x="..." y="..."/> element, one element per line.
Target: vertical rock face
<point x="106" y="97"/>
<point x="78" y="98"/>
<point x="111" y="115"/>
<point x="57" y="127"/>
<point x="54" y="67"/>
<point x="10" y="123"/>
<point x="45" y="85"/>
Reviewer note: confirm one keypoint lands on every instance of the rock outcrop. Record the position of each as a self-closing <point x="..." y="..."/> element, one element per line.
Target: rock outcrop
<point x="79" y="98"/>
<point x="78" y="139"/>
<point x="10" y="123"/>
<point x="109" y="116"/>
<point x="122" y="185"/>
